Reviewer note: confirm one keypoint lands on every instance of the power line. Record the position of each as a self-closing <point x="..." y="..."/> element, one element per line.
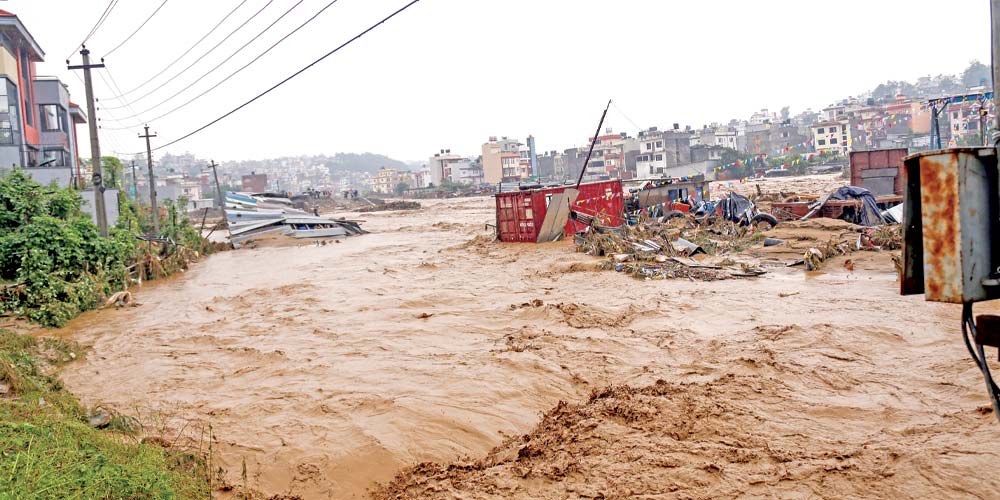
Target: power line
<point x="293" y="75"/>
<point x="147" y="94"/>
<point x="137" y="29"/>
<point x="626" y="116"/>
<point x="100" y="21"/>
<point x="111" y="87"/>
<point x="224" y="80"/>
<point x="186" y="52"/>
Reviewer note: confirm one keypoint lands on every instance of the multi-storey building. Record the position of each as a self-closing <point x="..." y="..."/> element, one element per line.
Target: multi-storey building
<point x="832" y="136"/>
<point x="500" y="159"/>
<point x="385" y="181"/>
<point x="660" y="151"/>
<point x="37" y="120"/>
<point x="446" y="166"/>
<point x="254" y="183"/>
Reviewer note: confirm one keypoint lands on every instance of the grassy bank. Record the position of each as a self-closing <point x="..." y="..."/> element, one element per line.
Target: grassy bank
<point x="48" y="450"/>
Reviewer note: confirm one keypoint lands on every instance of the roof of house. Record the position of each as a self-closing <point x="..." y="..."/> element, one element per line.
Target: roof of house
<point x="76" y="112"/>
<point x="12" y="25"/>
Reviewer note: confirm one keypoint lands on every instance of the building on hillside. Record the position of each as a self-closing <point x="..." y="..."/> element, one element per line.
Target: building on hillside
<point x="770" y="138"/>
<point x="832" y="136"/>
<point x="255" y="183"/>
<point x="494" y="152"/>
<point x="726" y="137"/>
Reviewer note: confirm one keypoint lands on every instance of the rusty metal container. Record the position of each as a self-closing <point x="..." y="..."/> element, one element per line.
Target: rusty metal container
<point x="879" y="171"/>
<point x="520" y="213"/>
<point x="951" y="228"/>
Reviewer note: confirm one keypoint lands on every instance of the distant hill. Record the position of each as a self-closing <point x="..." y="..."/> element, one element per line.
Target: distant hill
<point x="363" y="162"/>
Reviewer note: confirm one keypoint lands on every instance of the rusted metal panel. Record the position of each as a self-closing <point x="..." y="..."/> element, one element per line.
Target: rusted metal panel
<point x="957" y="192"/>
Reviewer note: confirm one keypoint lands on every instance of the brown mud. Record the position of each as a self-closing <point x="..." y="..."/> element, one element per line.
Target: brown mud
<point x="331" y="369"/>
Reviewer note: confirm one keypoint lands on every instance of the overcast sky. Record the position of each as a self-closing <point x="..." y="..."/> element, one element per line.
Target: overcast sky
<point x="451" y="73"/>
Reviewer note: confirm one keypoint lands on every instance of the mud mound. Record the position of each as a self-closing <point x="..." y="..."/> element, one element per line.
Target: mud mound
<point x="577" y="315"/>
<point x="670" y="440"/>
<point x="482" y="243"/>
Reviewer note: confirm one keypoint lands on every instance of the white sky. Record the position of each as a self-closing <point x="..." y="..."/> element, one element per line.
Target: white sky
<point x="451" y="73"/>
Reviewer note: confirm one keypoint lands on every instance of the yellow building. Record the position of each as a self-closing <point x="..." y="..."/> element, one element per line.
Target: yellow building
<point x="832" y="136"/>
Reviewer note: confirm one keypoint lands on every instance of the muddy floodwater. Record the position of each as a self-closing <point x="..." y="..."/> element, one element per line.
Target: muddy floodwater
<point x="329" y="369"/>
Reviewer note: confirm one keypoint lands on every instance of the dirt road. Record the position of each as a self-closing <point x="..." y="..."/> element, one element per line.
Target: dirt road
<point x="330" y="369"/>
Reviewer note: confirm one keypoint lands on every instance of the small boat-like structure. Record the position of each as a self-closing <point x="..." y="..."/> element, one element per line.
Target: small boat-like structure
<point x="251" y="216"/>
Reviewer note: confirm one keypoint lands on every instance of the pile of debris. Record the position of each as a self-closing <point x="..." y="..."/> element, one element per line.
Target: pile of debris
<point x="382" y="205"/>
<point x="672" y="248"/>
<point x="252" y="216"/>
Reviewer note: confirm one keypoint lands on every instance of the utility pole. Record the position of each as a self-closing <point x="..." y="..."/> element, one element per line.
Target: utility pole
<point x="218" y="189"/>
<point x="95" y="145"/>
<point x="995" y="59"/>
<point x="135" y="184"/>
<point x="152" y="182"/>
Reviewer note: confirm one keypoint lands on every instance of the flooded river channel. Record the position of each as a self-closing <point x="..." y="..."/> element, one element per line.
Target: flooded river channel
<point x="328" y="369"/>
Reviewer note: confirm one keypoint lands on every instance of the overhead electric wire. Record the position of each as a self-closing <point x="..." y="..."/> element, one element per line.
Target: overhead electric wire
<point x="186" y="52"/>
<point x="224" y="80"/>
<point x="290" y="77"/>
<point x="112" y="86"/>
<point x="123" y="42"/>
<point x="97" y="25"/>
<point x="217" y="66"/>
<point x="196" y="61"/>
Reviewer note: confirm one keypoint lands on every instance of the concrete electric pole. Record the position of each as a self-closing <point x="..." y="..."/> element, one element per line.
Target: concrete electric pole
<point x="218" y="189"/>
<point x="135" y="184"/>
<point x="152" y="182"/>
<point x="95" y="145"/>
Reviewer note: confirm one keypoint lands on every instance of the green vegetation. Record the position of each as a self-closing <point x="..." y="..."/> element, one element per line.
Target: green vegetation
<point x="54" y="265"/>
<point x="48" y="450"/>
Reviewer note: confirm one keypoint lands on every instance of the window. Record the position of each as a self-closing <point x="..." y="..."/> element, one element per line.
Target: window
<point x="659" y="157"/>
<point x="659" y="144"/>
<point x="821" y="142"/>
<point x="6" y="133"/>
<point x="28" y="110"/>
<point x="50" y="117"/>
<point x="833" y="140"/>
<point x="649" y="146"/>
<point x="843" y="128"/>
<point x="820" y="131"/>
<point x="54" y="154"/>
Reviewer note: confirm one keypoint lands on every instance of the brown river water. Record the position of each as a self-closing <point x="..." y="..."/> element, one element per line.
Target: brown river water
<point x="328" y="369"/>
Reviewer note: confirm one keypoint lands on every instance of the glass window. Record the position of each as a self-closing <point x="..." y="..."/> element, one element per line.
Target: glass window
<point x="833" y="140"/>
<point x="820" y="131"/>
<point x="6" y="133"/>
<point x="50" y="117"/>
<point x="821" y="142"/>
<point x="659" y="144"/>
<point x="659" y="157"/>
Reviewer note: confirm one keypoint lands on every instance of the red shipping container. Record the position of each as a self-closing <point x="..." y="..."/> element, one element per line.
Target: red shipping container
<point x="520" y="213"/>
